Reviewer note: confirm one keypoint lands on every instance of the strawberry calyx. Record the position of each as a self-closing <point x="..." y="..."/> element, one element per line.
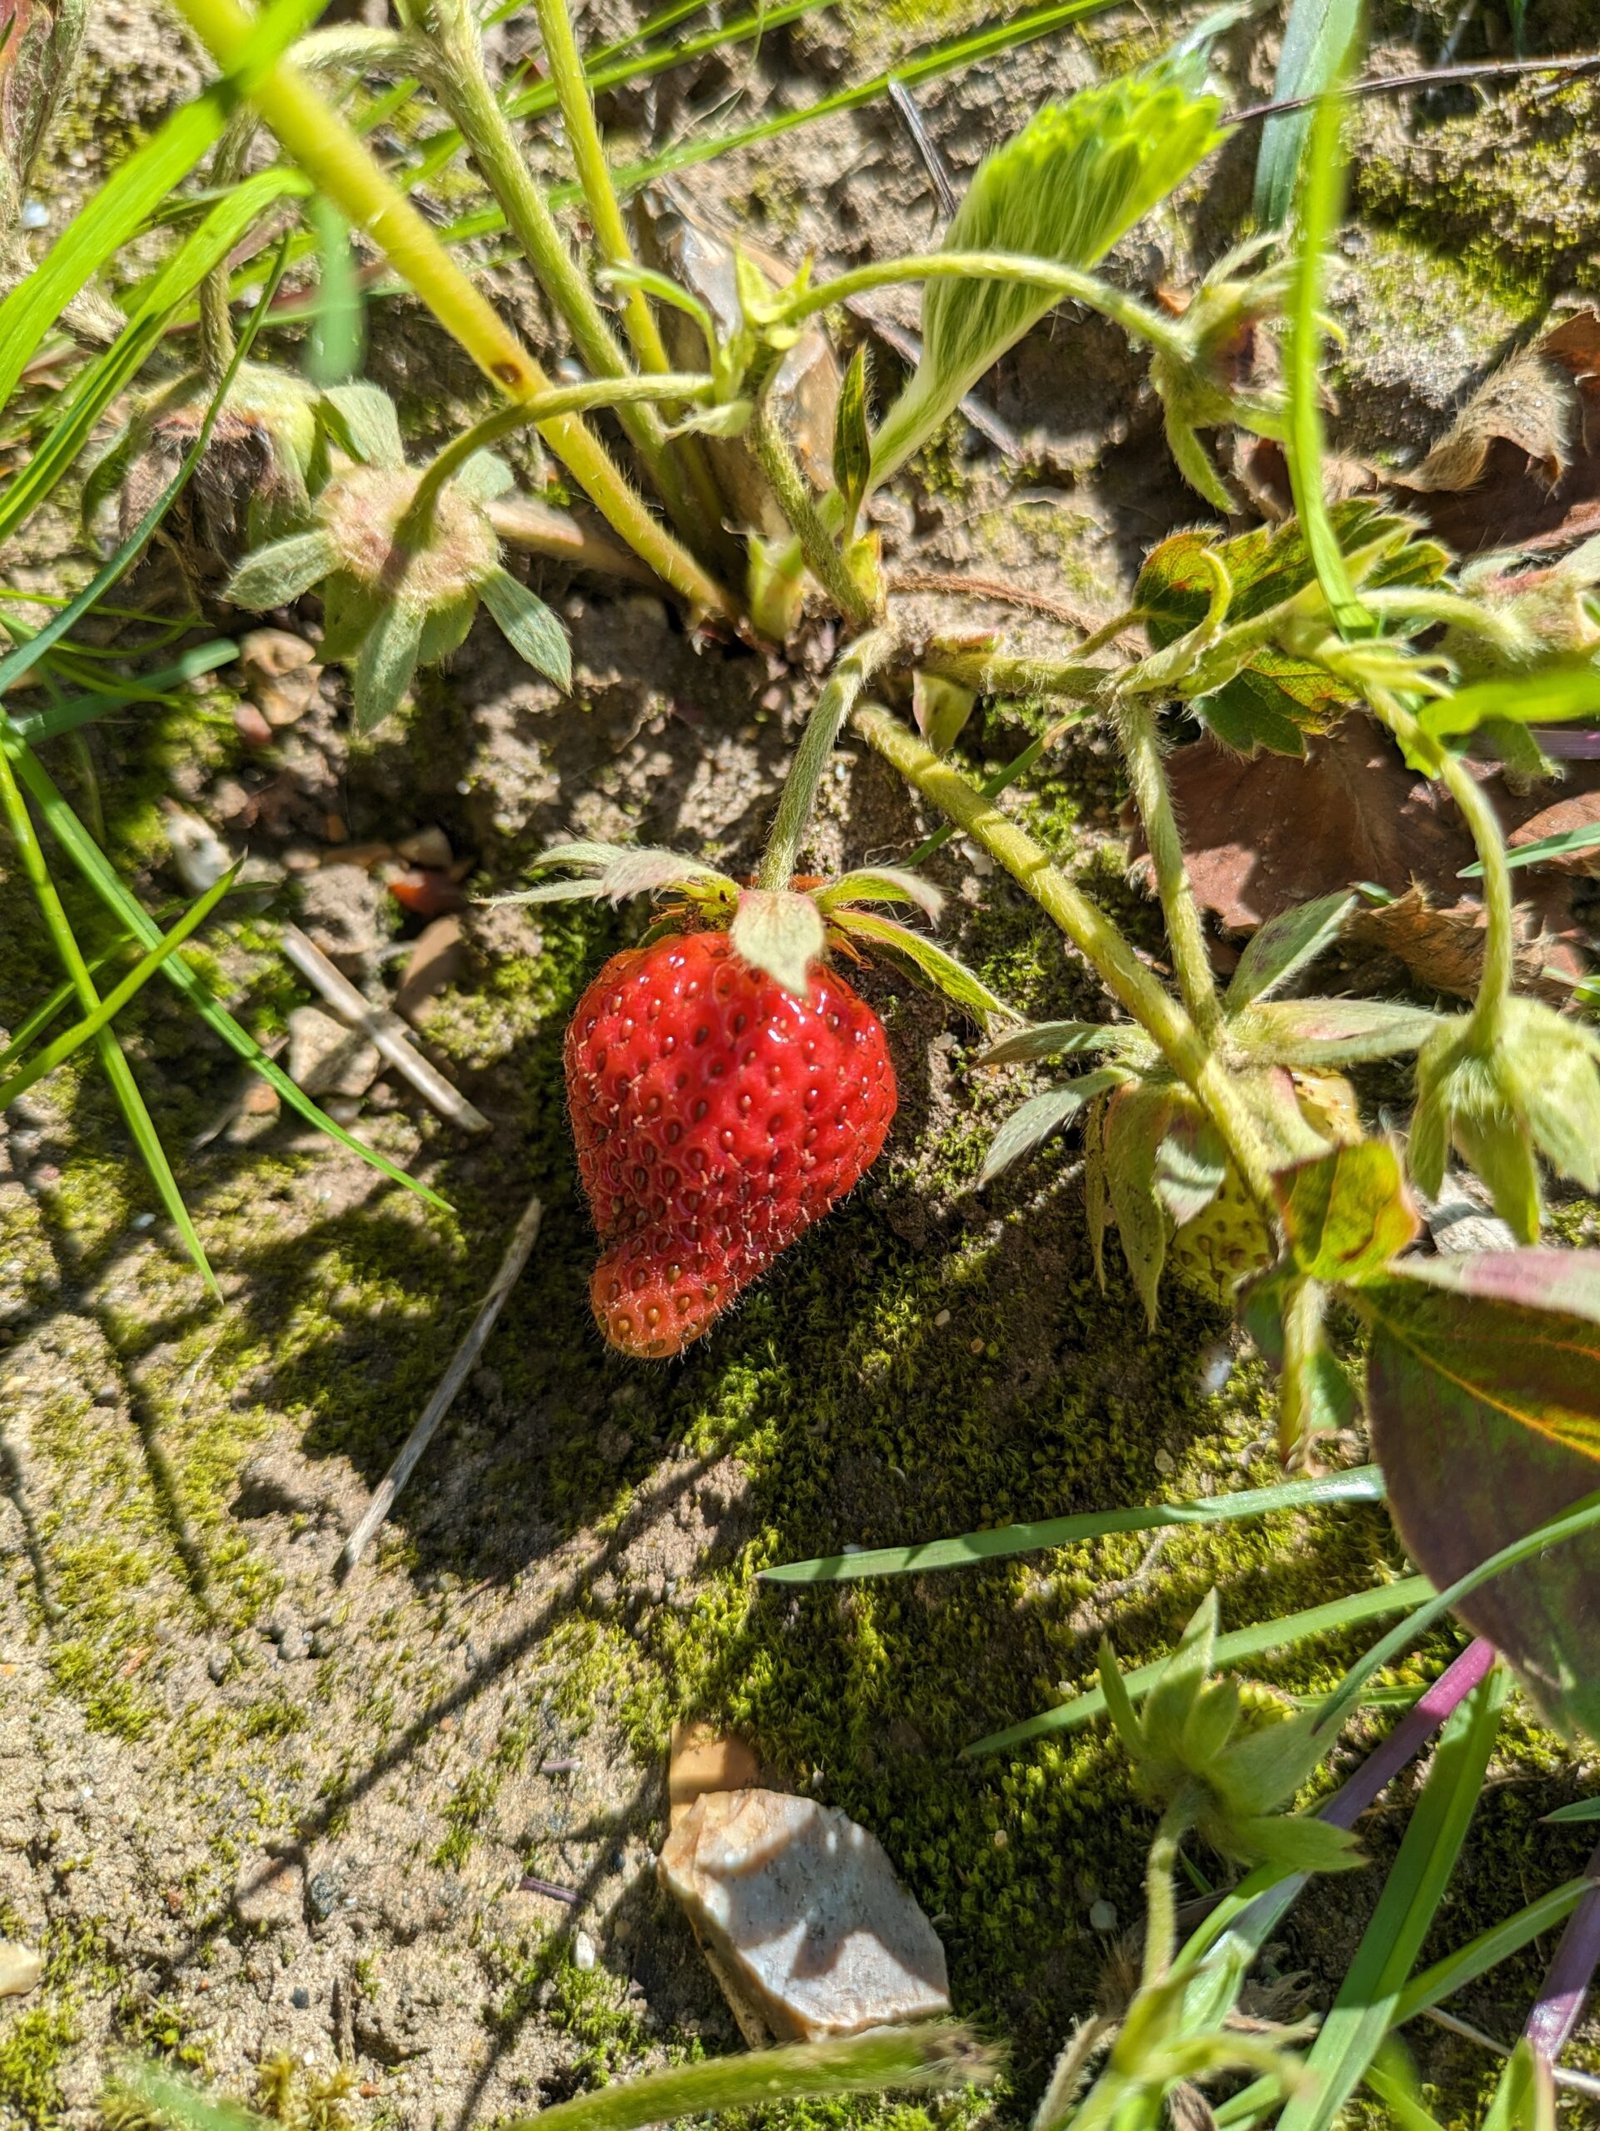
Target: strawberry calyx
<point x="784" y="931"/>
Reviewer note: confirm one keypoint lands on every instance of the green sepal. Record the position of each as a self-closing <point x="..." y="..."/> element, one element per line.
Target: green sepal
<point x="529" y="627"/>
<point x="277" y="574"/>
<point x="386" y="665"/>
<point x="446" y="629"/>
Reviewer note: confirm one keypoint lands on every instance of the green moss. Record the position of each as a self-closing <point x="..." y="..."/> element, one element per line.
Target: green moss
<point x="34" y="2047"/>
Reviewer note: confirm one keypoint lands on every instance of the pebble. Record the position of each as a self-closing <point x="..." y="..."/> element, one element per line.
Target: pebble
<point x="326" y="1058"/>
<point x="300" y="1998"/>
<point x="21" y="1969"/>
<point x="293" y="1645"/>
<point x="802" y="1917"/>
<point x="582" y="1950"/>
<point x="1102" y="1916"/>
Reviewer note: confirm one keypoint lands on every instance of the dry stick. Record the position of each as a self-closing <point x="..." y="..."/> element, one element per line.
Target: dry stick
<point x="385" y="1031"/>
<point x="516" y="1257"/>
<point x="1427" y="78"/>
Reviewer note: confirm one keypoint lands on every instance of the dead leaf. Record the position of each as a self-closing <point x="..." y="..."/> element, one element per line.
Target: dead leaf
<point x="1579" y="811"/>
<point x="1518" y="468"/>
<point x="1264" y="833"/>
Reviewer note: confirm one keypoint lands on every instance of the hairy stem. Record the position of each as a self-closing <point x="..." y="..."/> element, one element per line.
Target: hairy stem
<point x="505" y="421"/>
<point x="342" y="166"/>
<point x="1499" y="898"/>
<point x="462" y="84"/>
<point x="838" y="699"/>
<point x="823" y="558"/>
<point x="1135" y="318"/>
<point x="1191" y="959"/>
<point x="1112" y="955"/>
<point x="1160" y="1900"/>
<point x="594" y="174"/>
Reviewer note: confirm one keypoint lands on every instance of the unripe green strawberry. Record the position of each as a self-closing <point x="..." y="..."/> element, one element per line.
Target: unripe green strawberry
<point x="717" y="1115"/>
<point x="1229" y="1240"/>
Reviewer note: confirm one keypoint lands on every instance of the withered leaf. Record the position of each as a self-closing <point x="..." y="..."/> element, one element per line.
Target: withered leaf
<point x="1264" y="834"/>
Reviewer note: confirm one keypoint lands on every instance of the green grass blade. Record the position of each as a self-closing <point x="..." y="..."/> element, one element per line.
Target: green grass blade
<point x="338" y="329"/>
<point x="1318" y="35"/>
<point x="1580" y="1809"/>
<point x="17" y="664"/>
<point x="155" y="687"/>
<point x="1329" y="1619"/>
<point x="73" y="1039"/>
<point x="1534" y="854"/>
<point x="30" y="1030"/>
<point x="1487" y="1950"/>
<point x="91" y="393"/>
<point x="1350" y="2036"/>
<point x="117" y="1069"/>
<point x="97" y="871"/>
<point x="127" y="200"/>
<point x="1364" y="1484"/>
<point x="1320" y="206"/>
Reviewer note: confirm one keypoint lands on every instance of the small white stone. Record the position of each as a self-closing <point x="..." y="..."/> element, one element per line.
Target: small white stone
<point x="1165" y="1462"/>
<point x="1102" y="1916"/>
<point x="21" y="1968"/>
<point x="326" y="1058"/>
<point x="583" y="1951"/>
<point x="802" y="1918"/>
<point x="942" y="1319"/>
<point x="35" y="215"/>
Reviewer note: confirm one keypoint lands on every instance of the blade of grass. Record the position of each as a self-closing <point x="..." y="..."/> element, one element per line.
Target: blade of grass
<point x="1320" y="205"/>
<point x="58" y="1051"/>
<point x="93" y="390"/>
<point x="117" y="1069"/>
<point x="1330" y="1619"/>
<point x="1364" y="1484"/>
<point x="156" y="687"/>
<point x="100" y="875"/>
<point x="1363" y="2011"/>
<point x="1433" y="1985"/>
<point x="1317" y="40"/>
<point x="140" y="185"/>
<point x="338" y="331"/>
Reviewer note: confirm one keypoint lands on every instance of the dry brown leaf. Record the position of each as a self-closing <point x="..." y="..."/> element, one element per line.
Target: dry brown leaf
<point x="1264" y="833"/>
<point x="1518" y="468"/>
<point x="1579" y="811"/>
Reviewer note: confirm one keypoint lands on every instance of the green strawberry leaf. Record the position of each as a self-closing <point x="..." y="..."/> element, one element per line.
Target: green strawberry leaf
<point x="274" y="575"/>
<point x="1065" y="189"/>
<point x="1277" y="698"/>
<point x="930" y="960"/>
<point x="1137" y="1119"/>
<point x="1483" y="1384"/>
<point x="782" y="933"/>
<point x="852" y="436"/>
<point x="880" y="884"/>
<point x="1549" y="697"/>
<point x="1191" y="1164"/>
<point x="364" y="424"/>
<point x="1332" y="1032"/>
<point x="1064" y="1039"/>
<point x="386" y="665"/>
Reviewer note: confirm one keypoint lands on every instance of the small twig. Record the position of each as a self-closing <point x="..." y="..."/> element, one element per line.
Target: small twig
<point x="531" y="1883"/>
<point x="1576" y="2082"/>
<point x="932" y="161"/>
<point x="383" y="1500"/>
<point x="384" y="1030"/>
<point x="990" y="588"/>
<point x="1427" y="78"/>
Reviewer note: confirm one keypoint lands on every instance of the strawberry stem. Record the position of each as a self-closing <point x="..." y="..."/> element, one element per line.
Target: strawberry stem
<point x="838" y="699"/>
<point x="1102" y="943"/>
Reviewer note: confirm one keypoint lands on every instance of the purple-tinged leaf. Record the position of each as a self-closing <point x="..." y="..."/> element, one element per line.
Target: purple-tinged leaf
<point x="1484" y="1391"/>
<point x="1560" y="2006"/>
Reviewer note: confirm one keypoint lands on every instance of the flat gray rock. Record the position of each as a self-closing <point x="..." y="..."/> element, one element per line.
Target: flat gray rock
<point x="802" y="1918"/>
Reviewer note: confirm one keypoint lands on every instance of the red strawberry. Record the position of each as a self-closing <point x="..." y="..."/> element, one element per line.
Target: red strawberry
<point x="717" y="1115"/>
